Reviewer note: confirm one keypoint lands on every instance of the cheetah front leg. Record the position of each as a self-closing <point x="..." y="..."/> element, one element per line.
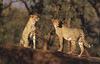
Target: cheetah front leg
<point x="34" y="41"/>
<point x="61" y="44"/>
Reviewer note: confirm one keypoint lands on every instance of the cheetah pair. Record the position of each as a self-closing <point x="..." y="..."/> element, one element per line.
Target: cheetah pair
<point x="72" y="35"/>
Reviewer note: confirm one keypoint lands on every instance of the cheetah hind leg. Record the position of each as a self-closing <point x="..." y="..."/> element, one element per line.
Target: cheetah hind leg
<point x="81" y="45"/>
<point x="69" y="47"/>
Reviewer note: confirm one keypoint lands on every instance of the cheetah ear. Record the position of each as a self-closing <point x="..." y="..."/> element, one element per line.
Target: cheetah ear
<point x="52" y="20"/>
<point x="32" y="16"/>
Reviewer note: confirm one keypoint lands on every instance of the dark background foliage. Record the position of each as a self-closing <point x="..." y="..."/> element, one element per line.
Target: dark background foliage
<point x="82" y="14"/>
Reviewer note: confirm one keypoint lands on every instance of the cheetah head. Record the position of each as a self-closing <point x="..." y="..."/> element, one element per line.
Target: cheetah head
<point x="55" y="22"/>
<point x="34" y="18"/>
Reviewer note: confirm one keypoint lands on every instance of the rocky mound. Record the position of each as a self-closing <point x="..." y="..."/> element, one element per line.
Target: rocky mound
<point x="29" y="56"/>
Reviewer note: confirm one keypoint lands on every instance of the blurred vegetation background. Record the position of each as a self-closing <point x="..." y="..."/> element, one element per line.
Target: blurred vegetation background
<point x="83" y="14"/>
